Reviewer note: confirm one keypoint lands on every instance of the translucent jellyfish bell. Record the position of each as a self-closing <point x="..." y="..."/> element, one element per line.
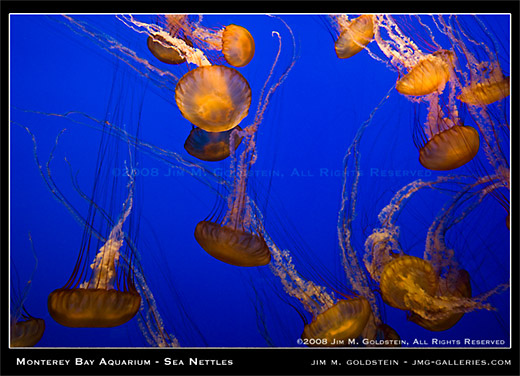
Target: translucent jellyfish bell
<point x="352" y="39"/>
<point x="460" y="289"/>
<point x="406" y="276"/>
<point x="92" y="308"/>
<point x="238" y="46"/>
<point x="27" y="333"/>
<point x="430" y="74"/>
<point x="345" y="319"/>
<point x="232" y="246"/>
<point x="450" y="149"/>
<point x="168" y="55"/>
<point x="215" y="98"/>
<point x="484" y="93"/>
<point x="210" y="146"/>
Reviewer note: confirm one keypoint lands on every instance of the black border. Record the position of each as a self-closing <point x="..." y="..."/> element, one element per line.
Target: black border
<point x="257" y="361"/>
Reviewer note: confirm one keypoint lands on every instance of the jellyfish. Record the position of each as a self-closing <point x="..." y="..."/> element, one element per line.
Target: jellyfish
<point x="100" y="301"/>
<point x="405" y="276"/>
<point x="165" y="54"/>
<point x="214" y="98"/>
<point x="25" y="329"/>
<point x="335" y="321"/>
<point x="484" y="93"/>
<point x="345" y="319"/>
<point x="429" y="75"/>
<point x="232" y="245"/>
<point x="354" y="35"/>
<point x="461" y="288"/>
<point x="426" y="72"/>
<point x="110" y="264"/>
<point x="27" y="332"/>
<point x="434" y="289"/>
<point x="234" y="238"/>
<point x="238" y="46"/>
<point x="450" y="144"/>
<point x="234" y="41"/>
<point x="210" y="146"/>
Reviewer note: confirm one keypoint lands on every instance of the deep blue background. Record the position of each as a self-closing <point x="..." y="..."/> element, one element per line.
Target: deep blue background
<point x="310" y="122"/>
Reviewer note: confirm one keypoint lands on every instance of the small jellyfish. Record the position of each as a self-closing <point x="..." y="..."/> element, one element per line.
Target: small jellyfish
<point x="484" y="93"/>
<point x="25" y="330"/>
<point x="430" y="74"/>
<point x="210" y="146"/>
<point x="27" y="333"/>
<point x="345" y="319"/>
<point x="461" y="288"/>
<point x="232" y="245"/>
<point x="354" y="35"/>
<point x="450" y="149"/>
<point x="214" y="98"/>
<point x="158" y="46"/>
<point x="238" y="46"/>
<point x="404" y="277"/>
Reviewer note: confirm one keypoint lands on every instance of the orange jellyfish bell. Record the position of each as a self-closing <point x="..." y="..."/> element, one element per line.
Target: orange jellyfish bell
<point x="168" y="55"/>
<point x="238" y="46"/>
<point x="484" y="93"/>
<point x="345" y="319"/>
<point x="460" y="289"/>
<point x="430" y="74"/>
<point x="450" y="149"/>
<point x="27" y="333"/>
<point x="232" y="246"/>
<point x="92" y="308"/>
<point x="215" y="98"/>
<point x="406" y="276"/>
<point x="210" y="146"/>
<point x="353" y="39"/>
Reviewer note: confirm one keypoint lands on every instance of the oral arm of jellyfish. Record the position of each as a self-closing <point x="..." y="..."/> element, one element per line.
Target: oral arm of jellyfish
<point x="354" y="34"/>
<point x="96" y="302"/>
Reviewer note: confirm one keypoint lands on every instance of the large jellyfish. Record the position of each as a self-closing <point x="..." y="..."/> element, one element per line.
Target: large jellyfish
<point x="106" y="298"/>
<point x="215" y="98"/>
<point x="234" y="239"/>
